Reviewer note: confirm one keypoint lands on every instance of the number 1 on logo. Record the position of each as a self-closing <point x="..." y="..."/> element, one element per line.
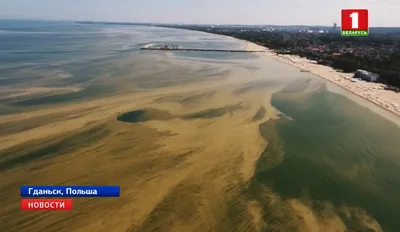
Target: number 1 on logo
<point x="354" y="20"/>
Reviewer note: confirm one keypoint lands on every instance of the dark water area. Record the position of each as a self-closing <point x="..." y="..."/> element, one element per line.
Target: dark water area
<point x="333" y="151"/>
<point x="88" y="93"/>
<point x="149" y="114"/>
<point x="144" y="115"/>
<point x="16" y="156"/>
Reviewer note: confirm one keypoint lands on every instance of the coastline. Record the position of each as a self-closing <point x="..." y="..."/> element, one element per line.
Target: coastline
<point x="372" y="92"/>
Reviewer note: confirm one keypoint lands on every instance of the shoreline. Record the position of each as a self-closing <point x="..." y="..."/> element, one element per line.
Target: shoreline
<point x="372" y="92"/>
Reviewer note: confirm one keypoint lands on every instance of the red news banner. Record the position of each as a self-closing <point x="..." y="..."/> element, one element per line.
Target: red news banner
<point x="46" y="204"/>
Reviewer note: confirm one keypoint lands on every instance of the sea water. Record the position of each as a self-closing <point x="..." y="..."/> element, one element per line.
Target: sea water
<point x="325" y="149"/>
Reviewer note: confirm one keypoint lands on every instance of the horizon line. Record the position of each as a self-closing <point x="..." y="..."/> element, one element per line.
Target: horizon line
<point x="188" y="24"/>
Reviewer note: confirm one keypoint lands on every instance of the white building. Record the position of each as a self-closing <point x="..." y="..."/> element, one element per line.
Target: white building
<point x="365" y="75"/>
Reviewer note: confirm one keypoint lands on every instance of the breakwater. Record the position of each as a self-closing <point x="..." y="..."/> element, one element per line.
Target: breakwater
<point x="199" y="49"/>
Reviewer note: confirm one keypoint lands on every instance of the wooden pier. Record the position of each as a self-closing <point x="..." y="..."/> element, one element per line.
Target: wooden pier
<point x="199" y="49"/>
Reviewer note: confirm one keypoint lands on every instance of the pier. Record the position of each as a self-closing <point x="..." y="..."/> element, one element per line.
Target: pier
<point x="198" y="49"/>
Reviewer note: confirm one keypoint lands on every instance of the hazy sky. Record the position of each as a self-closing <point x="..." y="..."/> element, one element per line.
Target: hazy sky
<point x="282" y="12"/>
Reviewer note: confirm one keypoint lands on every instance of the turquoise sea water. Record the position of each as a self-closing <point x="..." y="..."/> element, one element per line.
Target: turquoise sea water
<point x="334" y="151"/>
<point x="59" y="54"/>
<point x="35" y="44"/>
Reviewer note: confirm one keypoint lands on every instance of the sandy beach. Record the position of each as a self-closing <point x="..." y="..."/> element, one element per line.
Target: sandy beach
<point x="373" y="92"/>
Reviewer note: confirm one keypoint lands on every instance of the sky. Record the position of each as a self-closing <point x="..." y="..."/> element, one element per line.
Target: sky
<point x="275" y="12"/>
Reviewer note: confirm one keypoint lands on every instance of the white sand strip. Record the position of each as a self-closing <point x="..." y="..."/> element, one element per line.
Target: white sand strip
<point x="374" y="92"/>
